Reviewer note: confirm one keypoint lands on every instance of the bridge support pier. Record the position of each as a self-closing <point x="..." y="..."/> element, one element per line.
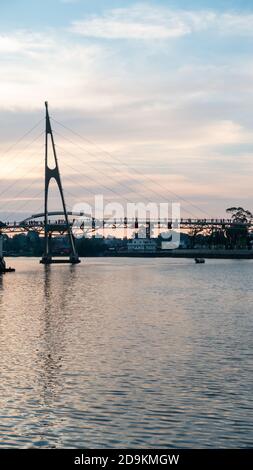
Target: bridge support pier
<point x="55" y="174"/>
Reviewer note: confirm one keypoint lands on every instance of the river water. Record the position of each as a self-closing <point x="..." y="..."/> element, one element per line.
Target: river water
<point x="127" y="353"/>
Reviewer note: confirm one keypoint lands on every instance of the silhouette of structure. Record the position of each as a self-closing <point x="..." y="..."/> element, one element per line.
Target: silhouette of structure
<point x="48" y="224"/>
<point x="54" y="173"/>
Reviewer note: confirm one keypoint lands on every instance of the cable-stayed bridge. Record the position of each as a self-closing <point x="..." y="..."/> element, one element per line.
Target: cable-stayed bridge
<point x="63" y="221"/>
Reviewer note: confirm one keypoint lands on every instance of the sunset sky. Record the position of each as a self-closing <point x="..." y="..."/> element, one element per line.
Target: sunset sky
<point x="162" y="90"/>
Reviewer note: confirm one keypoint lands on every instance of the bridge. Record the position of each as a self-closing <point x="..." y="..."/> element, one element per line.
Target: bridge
<point x="63" y="222"/>
<point x="33" y="223"/>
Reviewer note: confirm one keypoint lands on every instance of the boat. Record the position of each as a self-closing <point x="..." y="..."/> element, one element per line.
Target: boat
<point x="200" y="260"/>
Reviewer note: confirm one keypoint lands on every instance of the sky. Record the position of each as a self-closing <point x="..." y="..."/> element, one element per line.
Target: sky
<point x="158" y="94"/>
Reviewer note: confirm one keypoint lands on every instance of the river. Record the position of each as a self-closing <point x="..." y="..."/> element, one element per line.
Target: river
<point x="127" y="353"/>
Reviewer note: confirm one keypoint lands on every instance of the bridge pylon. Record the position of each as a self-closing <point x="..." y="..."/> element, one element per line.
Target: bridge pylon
<point x="54" y="173"/>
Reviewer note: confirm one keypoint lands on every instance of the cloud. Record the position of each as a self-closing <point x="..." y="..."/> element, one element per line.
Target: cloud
<point x="23" y="42"/>
<point x="40" y="66"/>
<point x="139" y="22"/>
<point x="185" y="119"/>
<point x="69" y="1"/>
<point x="148" y="23"/>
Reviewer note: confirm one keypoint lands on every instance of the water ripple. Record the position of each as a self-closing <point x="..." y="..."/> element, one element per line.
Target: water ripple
<point x="140" y="353"/>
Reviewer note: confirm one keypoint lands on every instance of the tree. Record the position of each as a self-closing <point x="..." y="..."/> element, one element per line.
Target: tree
<point x="238" y="232"/>
<point x="90" y="246"/>
<point x="240" y="215"/>
<point x="217" y="238"/>
<point x="194" y="230"/>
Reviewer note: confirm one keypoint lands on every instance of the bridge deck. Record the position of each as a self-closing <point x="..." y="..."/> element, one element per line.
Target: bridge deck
<point x="133" y="223"/>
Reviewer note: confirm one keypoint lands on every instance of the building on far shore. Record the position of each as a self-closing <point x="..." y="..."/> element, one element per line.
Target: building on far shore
<point x="142" y="245"/>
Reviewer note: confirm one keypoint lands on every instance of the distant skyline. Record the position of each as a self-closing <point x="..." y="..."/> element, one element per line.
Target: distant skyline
<point x="164" y="87"/>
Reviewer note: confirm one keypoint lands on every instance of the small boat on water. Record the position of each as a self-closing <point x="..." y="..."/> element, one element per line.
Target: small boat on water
<point x="200" y="260"/>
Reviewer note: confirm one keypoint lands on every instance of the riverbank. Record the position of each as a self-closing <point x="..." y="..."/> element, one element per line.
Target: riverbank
<point x="195" y="253"/>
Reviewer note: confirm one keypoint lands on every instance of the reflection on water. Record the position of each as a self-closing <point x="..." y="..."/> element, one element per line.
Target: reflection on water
<point x="127" y="353"/>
